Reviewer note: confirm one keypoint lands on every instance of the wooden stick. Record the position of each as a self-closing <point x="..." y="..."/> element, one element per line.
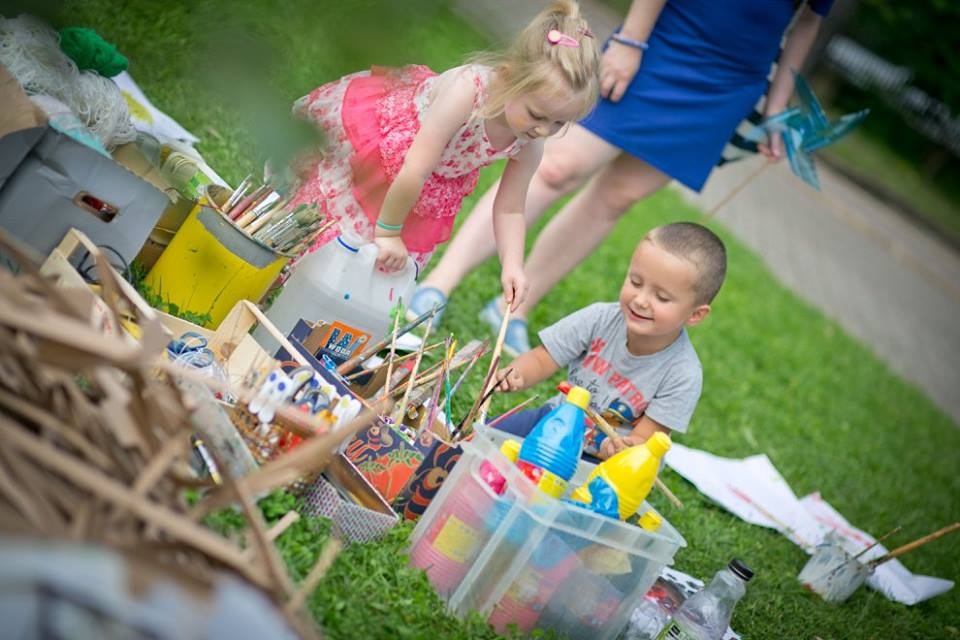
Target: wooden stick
<point x="109" y="489"/>
<point x="480" y="406"/>
<point x="403" y="358"/>
<point x="327" y="556"/>
<point x="435" y="398"/>
<point x="877" y="541"/>
<point x="610" y="432"/>
<point x="507" y="414"/>
<point x="393" y="344"/>
<point x="737" y="189"/>
<point x="919" y="542"/>
<point x="401" y="410"/>
<point x="372" y="349"/>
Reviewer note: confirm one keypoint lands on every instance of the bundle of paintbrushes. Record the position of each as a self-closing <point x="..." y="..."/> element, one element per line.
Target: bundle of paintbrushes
<point x="266" y="216"/>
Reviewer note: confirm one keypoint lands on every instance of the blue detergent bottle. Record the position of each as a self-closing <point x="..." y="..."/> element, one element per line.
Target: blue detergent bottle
<point x="550" y="454"/>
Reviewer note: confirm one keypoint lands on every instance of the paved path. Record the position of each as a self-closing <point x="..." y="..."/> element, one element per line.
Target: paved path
<point x="887" y="282"/>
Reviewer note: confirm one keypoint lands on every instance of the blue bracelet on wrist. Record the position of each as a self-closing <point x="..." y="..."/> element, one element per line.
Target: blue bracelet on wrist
<point x="630" y="42"/>
<point x="389" y="227"/>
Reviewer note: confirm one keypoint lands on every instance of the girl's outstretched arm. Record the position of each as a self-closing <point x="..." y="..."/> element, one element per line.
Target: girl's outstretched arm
<point x="509" y="226"/>
<point x="450" y="109"/>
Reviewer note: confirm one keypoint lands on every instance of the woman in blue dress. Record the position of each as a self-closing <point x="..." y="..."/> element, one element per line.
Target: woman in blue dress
<point x="676" y="79"/>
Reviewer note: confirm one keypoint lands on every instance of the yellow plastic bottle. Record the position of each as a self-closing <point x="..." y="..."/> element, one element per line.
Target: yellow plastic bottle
<point x="629" y="473"/>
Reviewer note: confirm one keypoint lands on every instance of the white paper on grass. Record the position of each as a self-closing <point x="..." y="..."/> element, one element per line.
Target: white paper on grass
<point x="754" y="490"/>
<point x="147" y="117"/>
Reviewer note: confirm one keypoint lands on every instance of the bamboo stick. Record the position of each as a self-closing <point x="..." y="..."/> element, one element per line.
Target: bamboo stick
<point x="919" y="542"/>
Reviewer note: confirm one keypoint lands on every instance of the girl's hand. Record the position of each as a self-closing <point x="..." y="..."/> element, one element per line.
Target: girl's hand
<point x="509" y="380"/>
<point x="617" y="67"/>
<point x="515" y="286"/>
<point x="393" y="253"/>
<point x="611" y="446"/>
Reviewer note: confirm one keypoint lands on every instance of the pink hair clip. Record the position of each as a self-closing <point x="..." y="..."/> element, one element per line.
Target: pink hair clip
<point x="555" y="37"/>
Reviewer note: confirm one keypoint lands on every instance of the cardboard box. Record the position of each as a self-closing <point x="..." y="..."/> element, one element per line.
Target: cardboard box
<point x="50" y="183"/>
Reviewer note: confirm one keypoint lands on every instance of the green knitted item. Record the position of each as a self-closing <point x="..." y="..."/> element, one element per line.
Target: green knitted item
<point x="89" y="51"/>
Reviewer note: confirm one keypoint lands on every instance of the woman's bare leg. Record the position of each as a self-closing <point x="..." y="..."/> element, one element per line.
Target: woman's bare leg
<point x="585" y="221"/>
<point x="568" y="161"/>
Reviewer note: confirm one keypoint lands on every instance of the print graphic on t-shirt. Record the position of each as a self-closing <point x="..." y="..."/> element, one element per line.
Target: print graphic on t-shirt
<point x="627" y="403"/>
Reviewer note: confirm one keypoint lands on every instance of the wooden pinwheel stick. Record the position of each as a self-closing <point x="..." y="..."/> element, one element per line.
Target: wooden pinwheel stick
<point x="919" y="542"/>
<point x="372" y="349"/>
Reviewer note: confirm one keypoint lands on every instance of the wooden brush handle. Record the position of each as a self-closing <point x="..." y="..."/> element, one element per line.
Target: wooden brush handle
<point x="919" y="542"/>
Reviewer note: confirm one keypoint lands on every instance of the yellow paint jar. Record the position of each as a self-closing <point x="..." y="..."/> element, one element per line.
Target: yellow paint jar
<point x="211" y="264"/>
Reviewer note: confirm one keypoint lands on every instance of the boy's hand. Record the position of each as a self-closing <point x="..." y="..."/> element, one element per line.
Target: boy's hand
<point x="393" y="253"/>
<point x="611" y="446"/>
<point x="509" y="380"/>
<point x="515" y="286"/>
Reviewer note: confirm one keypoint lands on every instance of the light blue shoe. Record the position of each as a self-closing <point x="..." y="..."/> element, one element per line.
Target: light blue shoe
<point x="424" y="299"/>
<point x="515" y="341"/>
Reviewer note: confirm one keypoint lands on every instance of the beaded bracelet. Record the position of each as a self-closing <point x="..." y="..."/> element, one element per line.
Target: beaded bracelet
<point x="630" y="42"/>
<point x="389" y="227"/>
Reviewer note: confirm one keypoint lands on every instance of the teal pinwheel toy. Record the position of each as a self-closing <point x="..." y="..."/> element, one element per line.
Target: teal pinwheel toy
<point x="805" y="129"/>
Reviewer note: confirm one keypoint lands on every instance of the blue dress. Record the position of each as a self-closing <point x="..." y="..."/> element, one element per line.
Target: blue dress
<point x="706" y="67"/>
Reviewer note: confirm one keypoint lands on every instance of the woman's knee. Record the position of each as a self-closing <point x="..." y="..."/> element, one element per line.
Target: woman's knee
<point x="559" y="173"/>
<point x="619" y="187"/>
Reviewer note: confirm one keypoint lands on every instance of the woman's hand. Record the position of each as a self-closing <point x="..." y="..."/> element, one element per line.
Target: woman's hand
<point x="393" y="253"/>
<point x="773" y="147"/>
<point x="515" y="286"/>
<point x="617" y="67"/>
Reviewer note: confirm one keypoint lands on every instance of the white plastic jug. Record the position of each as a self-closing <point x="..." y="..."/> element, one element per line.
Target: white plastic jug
<point x="339" y="283"/>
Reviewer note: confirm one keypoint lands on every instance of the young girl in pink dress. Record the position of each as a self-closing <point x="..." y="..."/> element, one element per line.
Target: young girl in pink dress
<point x="404" y="146"/>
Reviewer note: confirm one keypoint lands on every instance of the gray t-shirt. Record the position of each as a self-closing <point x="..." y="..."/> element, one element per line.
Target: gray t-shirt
<point x="592" y="343"/>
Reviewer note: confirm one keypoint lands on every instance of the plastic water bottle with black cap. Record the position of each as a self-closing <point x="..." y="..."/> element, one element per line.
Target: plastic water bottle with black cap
<point x="706" y="614"/>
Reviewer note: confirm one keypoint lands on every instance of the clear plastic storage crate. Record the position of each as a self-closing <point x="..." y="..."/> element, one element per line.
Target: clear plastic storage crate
<point x="525" y="558"/>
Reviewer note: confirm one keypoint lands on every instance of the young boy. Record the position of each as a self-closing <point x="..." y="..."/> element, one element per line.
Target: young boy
<point x="633" y="356"/>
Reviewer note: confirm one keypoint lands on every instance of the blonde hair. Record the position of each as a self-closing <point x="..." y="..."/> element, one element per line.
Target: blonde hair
<point x="532" y="62"/>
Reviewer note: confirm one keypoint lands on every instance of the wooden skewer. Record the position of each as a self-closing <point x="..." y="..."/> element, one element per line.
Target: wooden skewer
<point x="403" y="358"/>
<point x="401" y="411"/>
<point x="877" y="541"/>
<point x="737" y="189"/>
<point x="393" y="345"/>
<point x="919" y="542"/>
<point x="610" y="432"/>
<point x="481" y="404"/>
<point x="503" y="416"/>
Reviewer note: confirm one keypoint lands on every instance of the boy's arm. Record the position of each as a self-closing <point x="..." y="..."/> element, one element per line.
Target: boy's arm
<point x="509" y="226"/>
<point x="642" y="430"/>
<point x="529" y="369"/>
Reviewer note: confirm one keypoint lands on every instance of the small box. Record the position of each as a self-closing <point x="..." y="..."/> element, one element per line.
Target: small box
<point x="50" y="183"/>
<point x="521" y="557"/>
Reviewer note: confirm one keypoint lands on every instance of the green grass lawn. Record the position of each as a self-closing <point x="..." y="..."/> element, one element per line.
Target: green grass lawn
<point x="780" y="378"/>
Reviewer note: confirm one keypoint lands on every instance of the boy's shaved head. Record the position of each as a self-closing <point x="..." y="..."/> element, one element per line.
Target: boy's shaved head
<point x="699" y="245"/>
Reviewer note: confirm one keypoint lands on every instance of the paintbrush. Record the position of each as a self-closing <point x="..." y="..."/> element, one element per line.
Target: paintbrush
<point x="271" y="202"/>
<point x="238" y="193"/>
<point x="503" y="416"/>
<point x="245" y="203"/>
<point x="465" y="425"/>
<point x="369" y="351"/>
<point x="398" y="309"/>
<point x="473" y="360"/>
<point x="403" y="358"/>
<point x="910" y="546"/>
<point x="867" y="548"/>
<point x="481" y="406"/>
<point x="401" y="409"/>
<point x="435" y="397"/>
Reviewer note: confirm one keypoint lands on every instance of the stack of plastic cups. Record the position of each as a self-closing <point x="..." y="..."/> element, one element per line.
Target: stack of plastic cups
<point x="527" y="596"/>
<point x="447" y="550"/>
<point x="550" y="454"/>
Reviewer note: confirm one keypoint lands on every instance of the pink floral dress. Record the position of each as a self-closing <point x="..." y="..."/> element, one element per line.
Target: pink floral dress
<point x="370" y="120"/>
